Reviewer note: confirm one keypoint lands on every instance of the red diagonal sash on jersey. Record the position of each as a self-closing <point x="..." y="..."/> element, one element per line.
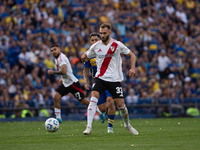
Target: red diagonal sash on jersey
<point x="107" y="59"/>
<point x="57" y="65"/>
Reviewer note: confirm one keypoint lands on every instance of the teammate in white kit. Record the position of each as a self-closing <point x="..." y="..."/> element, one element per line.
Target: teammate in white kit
<point x="109" y="74"/>
<point x="69" y="83"/>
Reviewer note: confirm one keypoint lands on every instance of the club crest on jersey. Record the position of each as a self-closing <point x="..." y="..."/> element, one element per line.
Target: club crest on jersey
<point x="112" y="48"/>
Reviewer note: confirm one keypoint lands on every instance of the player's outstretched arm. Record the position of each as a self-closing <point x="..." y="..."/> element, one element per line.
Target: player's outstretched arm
<point x="63" y="71"/>
<point x="132" y="71"/>
<point x="86" y="77"/>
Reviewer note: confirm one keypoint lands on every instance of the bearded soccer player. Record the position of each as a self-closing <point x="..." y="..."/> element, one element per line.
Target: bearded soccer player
<point x="69" y="83"/>
<point x="109" y="74"/>
<point x="105" y="100"/>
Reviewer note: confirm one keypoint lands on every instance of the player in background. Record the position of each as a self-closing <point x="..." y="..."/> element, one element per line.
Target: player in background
<point x="105" y="100"/>
<point x="69" y="83"/>
<point x="109" y="74"/>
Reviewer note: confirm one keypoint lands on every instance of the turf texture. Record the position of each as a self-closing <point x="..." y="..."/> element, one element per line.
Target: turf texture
<point x="154" y="134"/>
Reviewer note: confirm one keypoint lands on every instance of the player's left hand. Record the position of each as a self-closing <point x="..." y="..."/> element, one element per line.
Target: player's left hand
<point x="50" y="72"/>
<point x="132" y="72"/>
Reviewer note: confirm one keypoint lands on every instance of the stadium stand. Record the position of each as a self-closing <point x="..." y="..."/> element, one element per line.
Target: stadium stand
<point x="164" y="35"/>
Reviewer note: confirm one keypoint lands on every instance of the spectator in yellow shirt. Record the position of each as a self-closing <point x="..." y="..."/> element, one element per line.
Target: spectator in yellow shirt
<point x="49" y="63"/>
<point x="190" y="4"/>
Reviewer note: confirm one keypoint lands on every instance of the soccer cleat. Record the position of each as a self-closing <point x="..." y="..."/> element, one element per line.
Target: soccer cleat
<point x="87" y="131"/>
<point x="110" y="130"/>
<point x="102" y="116"/>
<point x="130" y="129"/>
<point x="59" y="120"/>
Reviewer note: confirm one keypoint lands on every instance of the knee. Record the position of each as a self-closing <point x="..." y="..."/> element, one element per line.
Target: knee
<point x="120" y="102"/>
<point x="110" y="102"/>
<point x="102" y="108"/>
<point x="56" y="97"/>
<point x="84" y="102"/>
<point x="95" y="94"/>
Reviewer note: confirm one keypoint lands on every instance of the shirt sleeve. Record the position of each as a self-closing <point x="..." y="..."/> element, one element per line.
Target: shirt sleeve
<point x="90" y="53"/>
<point x="63" y="61"/>
<point x="123" y="49"/>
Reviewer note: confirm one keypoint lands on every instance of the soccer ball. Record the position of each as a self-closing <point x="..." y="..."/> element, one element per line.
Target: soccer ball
<point x="51" y="125"/>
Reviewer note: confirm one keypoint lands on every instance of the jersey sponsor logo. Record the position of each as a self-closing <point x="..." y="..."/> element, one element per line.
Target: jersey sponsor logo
<point x="105" y="56"/>
<point x="107" y="59"/>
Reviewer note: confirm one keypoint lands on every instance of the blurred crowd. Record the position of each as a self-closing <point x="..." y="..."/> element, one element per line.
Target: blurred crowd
<point x="163" y="34"/>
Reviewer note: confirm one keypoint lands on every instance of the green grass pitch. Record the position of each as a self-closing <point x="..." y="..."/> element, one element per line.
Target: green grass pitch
<point x="155" y="134"/>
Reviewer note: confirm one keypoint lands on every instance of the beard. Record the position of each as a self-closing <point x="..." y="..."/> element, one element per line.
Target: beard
<point x="106" y="39"/>
<point x="56" y="55"/>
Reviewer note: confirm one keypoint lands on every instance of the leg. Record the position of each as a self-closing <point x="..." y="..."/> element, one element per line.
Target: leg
<point x="86" y="102"/>
<point x="111" y="113"/>
<point x="76" y="90"/>
<point x="111" y="105"/>
<point x="91" y="111"/>
<point x="124" y="114"/>
<point x="102" y="107"/>
<point x="123" y="110"/>
<point x="97" y="89"/>
<point x="57" y="107"/>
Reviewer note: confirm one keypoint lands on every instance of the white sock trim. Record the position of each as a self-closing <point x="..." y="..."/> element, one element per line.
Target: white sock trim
<point x="123" y="107"/>
<point x="57" y="110"/>
<point x="94" y="99"/>
<point x="91" y="111"/>
<point x="57" y="113"/>
<point x="124" y="114"/>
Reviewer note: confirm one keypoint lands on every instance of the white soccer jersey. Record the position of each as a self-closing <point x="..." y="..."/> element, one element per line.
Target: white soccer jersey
<point x="108" y="59"/>
<point x="69" y="78"/>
